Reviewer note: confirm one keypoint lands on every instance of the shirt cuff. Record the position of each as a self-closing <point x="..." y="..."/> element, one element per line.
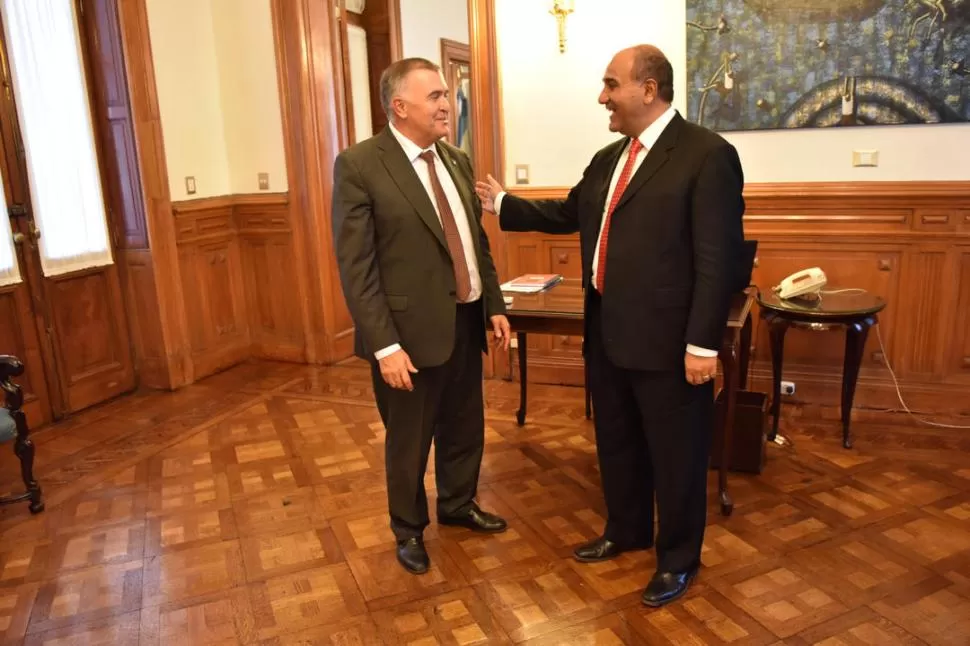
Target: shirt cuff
<point x="498" y="202"/>
<point x="388" y="351"/>
<point x="701" y="352"/>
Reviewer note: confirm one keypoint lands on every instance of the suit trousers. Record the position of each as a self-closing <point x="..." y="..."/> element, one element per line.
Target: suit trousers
<point x="446" y="406"/>
<point x="653" y="439"/>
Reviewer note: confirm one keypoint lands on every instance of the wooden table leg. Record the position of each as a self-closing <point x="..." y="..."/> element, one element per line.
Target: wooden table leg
<point x="729" y="360"/>
<point x="521" y="341"/>
<point x="855" y="345"/>
<point x="744" y="353"/>
<point x="777" y="328"/>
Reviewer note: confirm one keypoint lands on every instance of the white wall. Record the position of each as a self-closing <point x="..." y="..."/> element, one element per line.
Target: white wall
<point x="187" y="82"/>
<point x="249" y="93"/>
<point x="425" y="22"/>
<point x="552" y="120"/>
<point x="215" y="73"/>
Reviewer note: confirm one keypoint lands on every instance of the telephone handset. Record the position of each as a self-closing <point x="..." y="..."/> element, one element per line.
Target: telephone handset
<point x="802" y="282"/>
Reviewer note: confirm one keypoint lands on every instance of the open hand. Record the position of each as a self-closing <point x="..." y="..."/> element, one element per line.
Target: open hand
<point x="502" y="331"/>
<point x="487" y="192"/>
<point x="396" y="369"/>
<point x="699" y="370"/>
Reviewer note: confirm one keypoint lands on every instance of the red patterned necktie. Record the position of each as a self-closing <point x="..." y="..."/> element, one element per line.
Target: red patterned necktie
<point x="462" y="278"/>
<point x="635" y="147"/>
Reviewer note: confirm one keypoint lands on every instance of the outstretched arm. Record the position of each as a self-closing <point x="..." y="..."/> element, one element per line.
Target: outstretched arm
<point x="518" y="214"/>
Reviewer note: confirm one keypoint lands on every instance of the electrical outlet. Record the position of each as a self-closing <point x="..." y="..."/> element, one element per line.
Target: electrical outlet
<point x="190" y="185"/>
<point x="263" y="181"/>
<point x="865" y="158"/>
<point x="788" y="388"/>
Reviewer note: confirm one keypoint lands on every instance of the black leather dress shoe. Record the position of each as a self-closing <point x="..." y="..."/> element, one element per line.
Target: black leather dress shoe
<point x="664" y="587"/>
<point x="476" y="520"/>
<point x="603" y="549"/>
<point x="412" y="555"/>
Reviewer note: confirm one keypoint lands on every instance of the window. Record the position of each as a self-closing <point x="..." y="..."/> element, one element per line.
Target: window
<point x="55" y="121"/>
<point x="9" y="270"/>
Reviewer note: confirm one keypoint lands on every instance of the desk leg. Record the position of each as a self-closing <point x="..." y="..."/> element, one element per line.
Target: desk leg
<point x="729" y="360"/>
<point x="744" y="354"/>
<point x="777" y="328"/>
<point x="855" y="345"/>
<point x="589" y="406"/>
<point x="521" y="340"/>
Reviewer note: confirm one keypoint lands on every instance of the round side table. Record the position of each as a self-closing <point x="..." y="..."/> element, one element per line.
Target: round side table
<point x="854" y="309"/>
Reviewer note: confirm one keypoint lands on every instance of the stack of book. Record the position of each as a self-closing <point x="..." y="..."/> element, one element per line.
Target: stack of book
<point x="531" y="283"/>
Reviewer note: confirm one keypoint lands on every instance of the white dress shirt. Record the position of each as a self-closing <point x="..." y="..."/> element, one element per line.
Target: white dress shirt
<point x="413" y="152"/>
<point x="648" y="138"/>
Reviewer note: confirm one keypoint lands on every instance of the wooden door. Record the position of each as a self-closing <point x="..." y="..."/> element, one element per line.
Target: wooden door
<point x="79" y="338"/>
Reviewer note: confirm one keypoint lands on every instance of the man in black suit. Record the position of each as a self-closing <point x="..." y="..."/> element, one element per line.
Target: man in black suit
<point x="659" y="214"/>
<point x="422" y="289"/>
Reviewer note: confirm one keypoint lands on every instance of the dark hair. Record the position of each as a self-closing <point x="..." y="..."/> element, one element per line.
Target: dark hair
<point x="650" y="63"/>
<point x="395" y="74"/>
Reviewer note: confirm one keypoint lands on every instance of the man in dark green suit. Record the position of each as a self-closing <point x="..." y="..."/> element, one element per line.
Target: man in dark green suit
<point x="422" y="289"/>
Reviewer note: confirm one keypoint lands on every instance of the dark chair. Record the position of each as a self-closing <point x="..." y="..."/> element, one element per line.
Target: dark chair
<point x="13" y="426"/>
<point x="748" y="252"/>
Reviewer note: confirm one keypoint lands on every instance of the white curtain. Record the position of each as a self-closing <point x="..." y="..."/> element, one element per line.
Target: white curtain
<point x="9" y="269"/>
<point x="55" y="119"/>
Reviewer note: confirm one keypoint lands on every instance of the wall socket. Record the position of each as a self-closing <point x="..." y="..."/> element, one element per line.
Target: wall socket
<point x="865" y="158"/>
<point x="788" y="388"/>
<point x="190" y="185"/>
<point x="263" y="179"/>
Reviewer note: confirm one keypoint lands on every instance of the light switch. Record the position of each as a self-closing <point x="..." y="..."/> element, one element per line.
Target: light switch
<point x="521" y="173"/>
<point x="190" y="185"/>
<point x="263" y="181"/>
<point x="865" y="158"/>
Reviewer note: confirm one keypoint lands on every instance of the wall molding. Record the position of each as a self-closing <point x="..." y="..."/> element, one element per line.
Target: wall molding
<point x="909" y="195"/>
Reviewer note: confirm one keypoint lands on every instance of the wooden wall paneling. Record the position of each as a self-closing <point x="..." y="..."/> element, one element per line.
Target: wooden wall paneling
<point x="91" y="335"/>
<point x="269" y="269"/>
<point x="153" y="276"/>
<point x="212" y="284"/>
<point x="314" y="131"/>
<point x="957" y="368"/>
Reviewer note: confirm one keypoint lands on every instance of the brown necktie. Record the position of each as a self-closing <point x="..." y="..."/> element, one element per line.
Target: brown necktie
<point x="462" y="279"/>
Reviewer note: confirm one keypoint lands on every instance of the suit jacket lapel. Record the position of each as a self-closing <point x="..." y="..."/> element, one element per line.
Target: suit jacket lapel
<point x="402" y="172"/>
<point x="614" y="158"/>
<point x="656" y="158"/>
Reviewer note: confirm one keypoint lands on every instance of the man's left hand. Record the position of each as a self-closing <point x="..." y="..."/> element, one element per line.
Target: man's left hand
<point x="502" y="331"/>
<point x="699" y="370"/>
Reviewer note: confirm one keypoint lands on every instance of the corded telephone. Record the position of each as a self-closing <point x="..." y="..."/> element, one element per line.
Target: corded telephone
<point x="802" y="282"/>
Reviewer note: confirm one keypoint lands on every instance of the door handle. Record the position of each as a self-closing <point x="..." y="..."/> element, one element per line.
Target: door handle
<point x="18" y="238"/>
<point x="34" y="231"/>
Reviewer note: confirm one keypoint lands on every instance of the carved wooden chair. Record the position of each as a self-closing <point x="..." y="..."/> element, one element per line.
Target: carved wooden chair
<point x="13" y="426"/>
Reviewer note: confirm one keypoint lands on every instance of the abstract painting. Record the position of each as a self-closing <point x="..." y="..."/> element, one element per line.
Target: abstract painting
<point x="767" y="64"/>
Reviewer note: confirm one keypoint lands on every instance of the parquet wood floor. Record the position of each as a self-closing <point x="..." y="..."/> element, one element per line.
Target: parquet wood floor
<point x="250" y="509"/>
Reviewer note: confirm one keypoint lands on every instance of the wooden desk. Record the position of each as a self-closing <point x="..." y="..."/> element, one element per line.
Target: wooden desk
<point x="559" y="310"/>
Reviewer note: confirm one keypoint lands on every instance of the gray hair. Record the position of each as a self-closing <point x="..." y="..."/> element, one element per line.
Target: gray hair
<point x="394" y="75"/>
